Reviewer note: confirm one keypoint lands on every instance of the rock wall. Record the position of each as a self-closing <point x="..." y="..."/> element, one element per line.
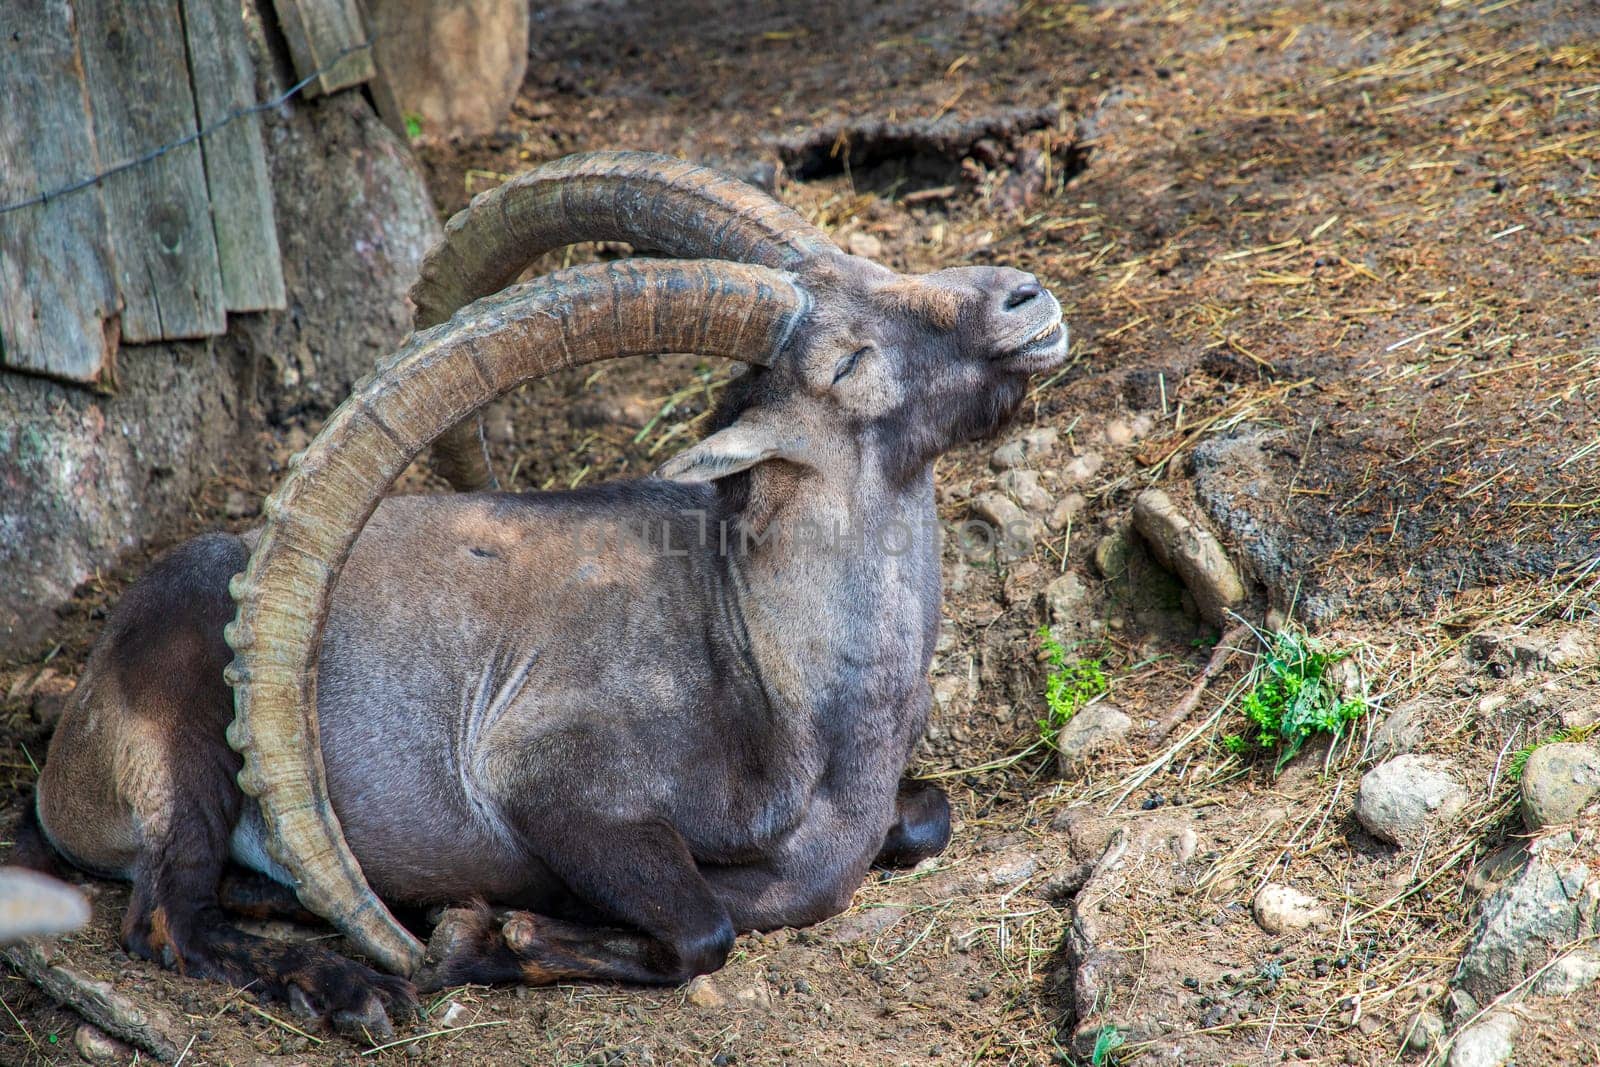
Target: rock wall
<point x="86" y="477"/>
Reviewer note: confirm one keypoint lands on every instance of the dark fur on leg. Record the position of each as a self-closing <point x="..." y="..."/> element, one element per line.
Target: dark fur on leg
<point x="921" y="826"/>
<point x="29" y="847"/>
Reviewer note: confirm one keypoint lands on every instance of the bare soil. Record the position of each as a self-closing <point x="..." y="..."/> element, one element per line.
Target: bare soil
<point x="1331" y="270"/>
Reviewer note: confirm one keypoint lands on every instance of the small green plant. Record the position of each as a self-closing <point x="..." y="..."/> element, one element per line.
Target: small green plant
<point x="1068" y="686"/>
<point x="1292" y="698"/>
<point x="1106" y="1044"/>
<point x="413" y="125"/>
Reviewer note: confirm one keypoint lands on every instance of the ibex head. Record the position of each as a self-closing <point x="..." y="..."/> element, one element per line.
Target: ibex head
<point x="886" y="371"/>
<point x="864" y="373"/>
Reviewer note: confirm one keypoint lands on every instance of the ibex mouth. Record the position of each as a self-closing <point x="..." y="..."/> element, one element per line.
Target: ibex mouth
<point x="1043" y="350"/>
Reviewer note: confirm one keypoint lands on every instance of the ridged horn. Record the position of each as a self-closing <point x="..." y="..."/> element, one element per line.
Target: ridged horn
<point x="655" y="203"/>
<point x="566" y="319"/>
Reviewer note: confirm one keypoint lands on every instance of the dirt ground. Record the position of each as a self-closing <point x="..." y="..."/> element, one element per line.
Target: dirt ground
<point x="1332" y="274"/>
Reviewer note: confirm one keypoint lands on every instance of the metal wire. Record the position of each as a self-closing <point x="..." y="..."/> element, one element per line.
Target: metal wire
<point x="157" y="153"/>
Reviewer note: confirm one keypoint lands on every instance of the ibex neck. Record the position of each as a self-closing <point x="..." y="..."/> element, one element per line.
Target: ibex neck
<point x="840" y="596"/>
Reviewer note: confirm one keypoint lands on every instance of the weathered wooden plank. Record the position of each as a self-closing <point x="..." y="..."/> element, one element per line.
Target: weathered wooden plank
<point x="58" y="296"/>
<point x="236" y="166"/>
<point x="159" y="213"/>
<point x="326" y="33"/>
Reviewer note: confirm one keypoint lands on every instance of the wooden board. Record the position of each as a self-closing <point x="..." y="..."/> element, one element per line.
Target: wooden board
<point x="318" y="31"/>
<point x="58" y="297"/>
<point x="159" y="211"/>
<point x="235" y="165"/>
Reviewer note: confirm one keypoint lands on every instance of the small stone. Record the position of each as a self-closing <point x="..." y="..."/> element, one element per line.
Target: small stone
<point x="1558" y="782"/>
<point x="1012" y="869"/>
<point x="1067" y="600"/>
<point x="1408" y="797"/>
<point x="1069" y="508"/>
<point x="1489" y="1042"/>
<point x="1094" y="728"/>
<point x="1400" y="732"/>
<point x="239" y="504"/>
<point x="1079" y="469"/>
<point x="1281" y="909"/>
<point x="1567" y="975"/>
<point x="861" y="925"/>
<point x="1025" y="449"/>
<point x="453" y="1014"/>
<point x="1012" y="532"/>
<point x="702" y="992"/>
<point x="1111" y="554"/>
<point x="96" y="1046"/>
<point x="1423" y="1031"/>
<point x="864" y="245"/>
<point x="755" y="996"/>
<point x="1119" y="432"/>
<point x="1190" y="552"/>
<point x="1023" y="487"/>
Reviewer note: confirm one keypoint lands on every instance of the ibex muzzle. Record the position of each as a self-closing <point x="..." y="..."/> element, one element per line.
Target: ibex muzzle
<point x="649" y="713"/>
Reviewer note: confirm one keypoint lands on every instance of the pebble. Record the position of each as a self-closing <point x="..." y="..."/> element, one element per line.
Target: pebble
<point x="755" y="996"/>
<point x="453" y="1015"/>
<point x="96" y="1046"/>
<point x="1400" y="732"/>
<point x="1558" y="782"/>
<point x="1409" y="796"/>
<point x="1111" y="554"/>
<point x="1094" y="728"/>
<point x="1079" y="469"/>
<point x="1424" y="1031"/>
<point x="702" y="992"/>
<point x="865" y="245"/>
<point x="861" y="925"/>
<point x="1489" y="1042"/>
<point x="1012" y="531"/>
<point x="1066" y="599"/>
<point x="1069" y="508"/>
<point x="1567" y="975"/>
<point x="1025" y="448"/>
<point x="238" y="504"/>
<point x="1281" y="909"/>
<point x="1023" y="487"/>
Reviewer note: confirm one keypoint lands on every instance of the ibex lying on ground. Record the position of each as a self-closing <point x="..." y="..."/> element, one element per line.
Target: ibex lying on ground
<point x="645" y="741"/>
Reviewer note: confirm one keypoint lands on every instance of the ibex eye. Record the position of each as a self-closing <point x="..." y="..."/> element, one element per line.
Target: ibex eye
<point x="848" y="363"/>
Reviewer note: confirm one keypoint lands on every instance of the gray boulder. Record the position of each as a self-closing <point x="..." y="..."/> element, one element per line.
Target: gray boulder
<point x="1558" y="782"/>
<point x="1407" y="798"/>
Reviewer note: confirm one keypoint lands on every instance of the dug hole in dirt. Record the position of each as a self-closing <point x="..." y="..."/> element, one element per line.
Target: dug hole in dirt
<point x="1331" y="273"/>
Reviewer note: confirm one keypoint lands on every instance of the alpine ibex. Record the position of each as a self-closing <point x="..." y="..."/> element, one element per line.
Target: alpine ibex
<point x="643" y="743"/>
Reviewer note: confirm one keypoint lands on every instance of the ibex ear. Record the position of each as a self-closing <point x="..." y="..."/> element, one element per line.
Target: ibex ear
<point x="728" y="451"/>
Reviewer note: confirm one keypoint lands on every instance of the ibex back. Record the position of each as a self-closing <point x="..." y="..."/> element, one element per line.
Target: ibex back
<point x="644" y="715"/>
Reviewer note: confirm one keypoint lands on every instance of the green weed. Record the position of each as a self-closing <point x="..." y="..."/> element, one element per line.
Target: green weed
<point x="1069" y="685"/>
<point x="1519" y="759"/>
<point x="1106" y="1044"/>
<point x="413" y="125"/>
<point x="1292" y="698"/>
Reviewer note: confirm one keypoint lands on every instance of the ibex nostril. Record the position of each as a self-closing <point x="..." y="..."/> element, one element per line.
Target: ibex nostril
<point x="1022" y="294"/>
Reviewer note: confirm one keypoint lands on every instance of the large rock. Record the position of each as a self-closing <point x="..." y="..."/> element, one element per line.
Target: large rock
<point x="455" y="65"/>
<point x="1542" y="912"/>
<point x="1190" y="551"/>
<point x="1558" y="782"/>
<point x="86" y="477"/>
<point x="1407" y="798"/>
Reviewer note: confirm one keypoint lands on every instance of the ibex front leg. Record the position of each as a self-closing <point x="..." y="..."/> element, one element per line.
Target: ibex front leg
<point x="662" y="924"/>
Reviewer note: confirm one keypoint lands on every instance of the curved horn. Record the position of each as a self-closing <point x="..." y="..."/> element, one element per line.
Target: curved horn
<point x="566" y="319"/>
<point x="655" y="203"/>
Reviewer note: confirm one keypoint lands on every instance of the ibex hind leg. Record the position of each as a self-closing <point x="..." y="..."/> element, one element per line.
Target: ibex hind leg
<point x="661" y="922"/>
<point x="159" y="673"/>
